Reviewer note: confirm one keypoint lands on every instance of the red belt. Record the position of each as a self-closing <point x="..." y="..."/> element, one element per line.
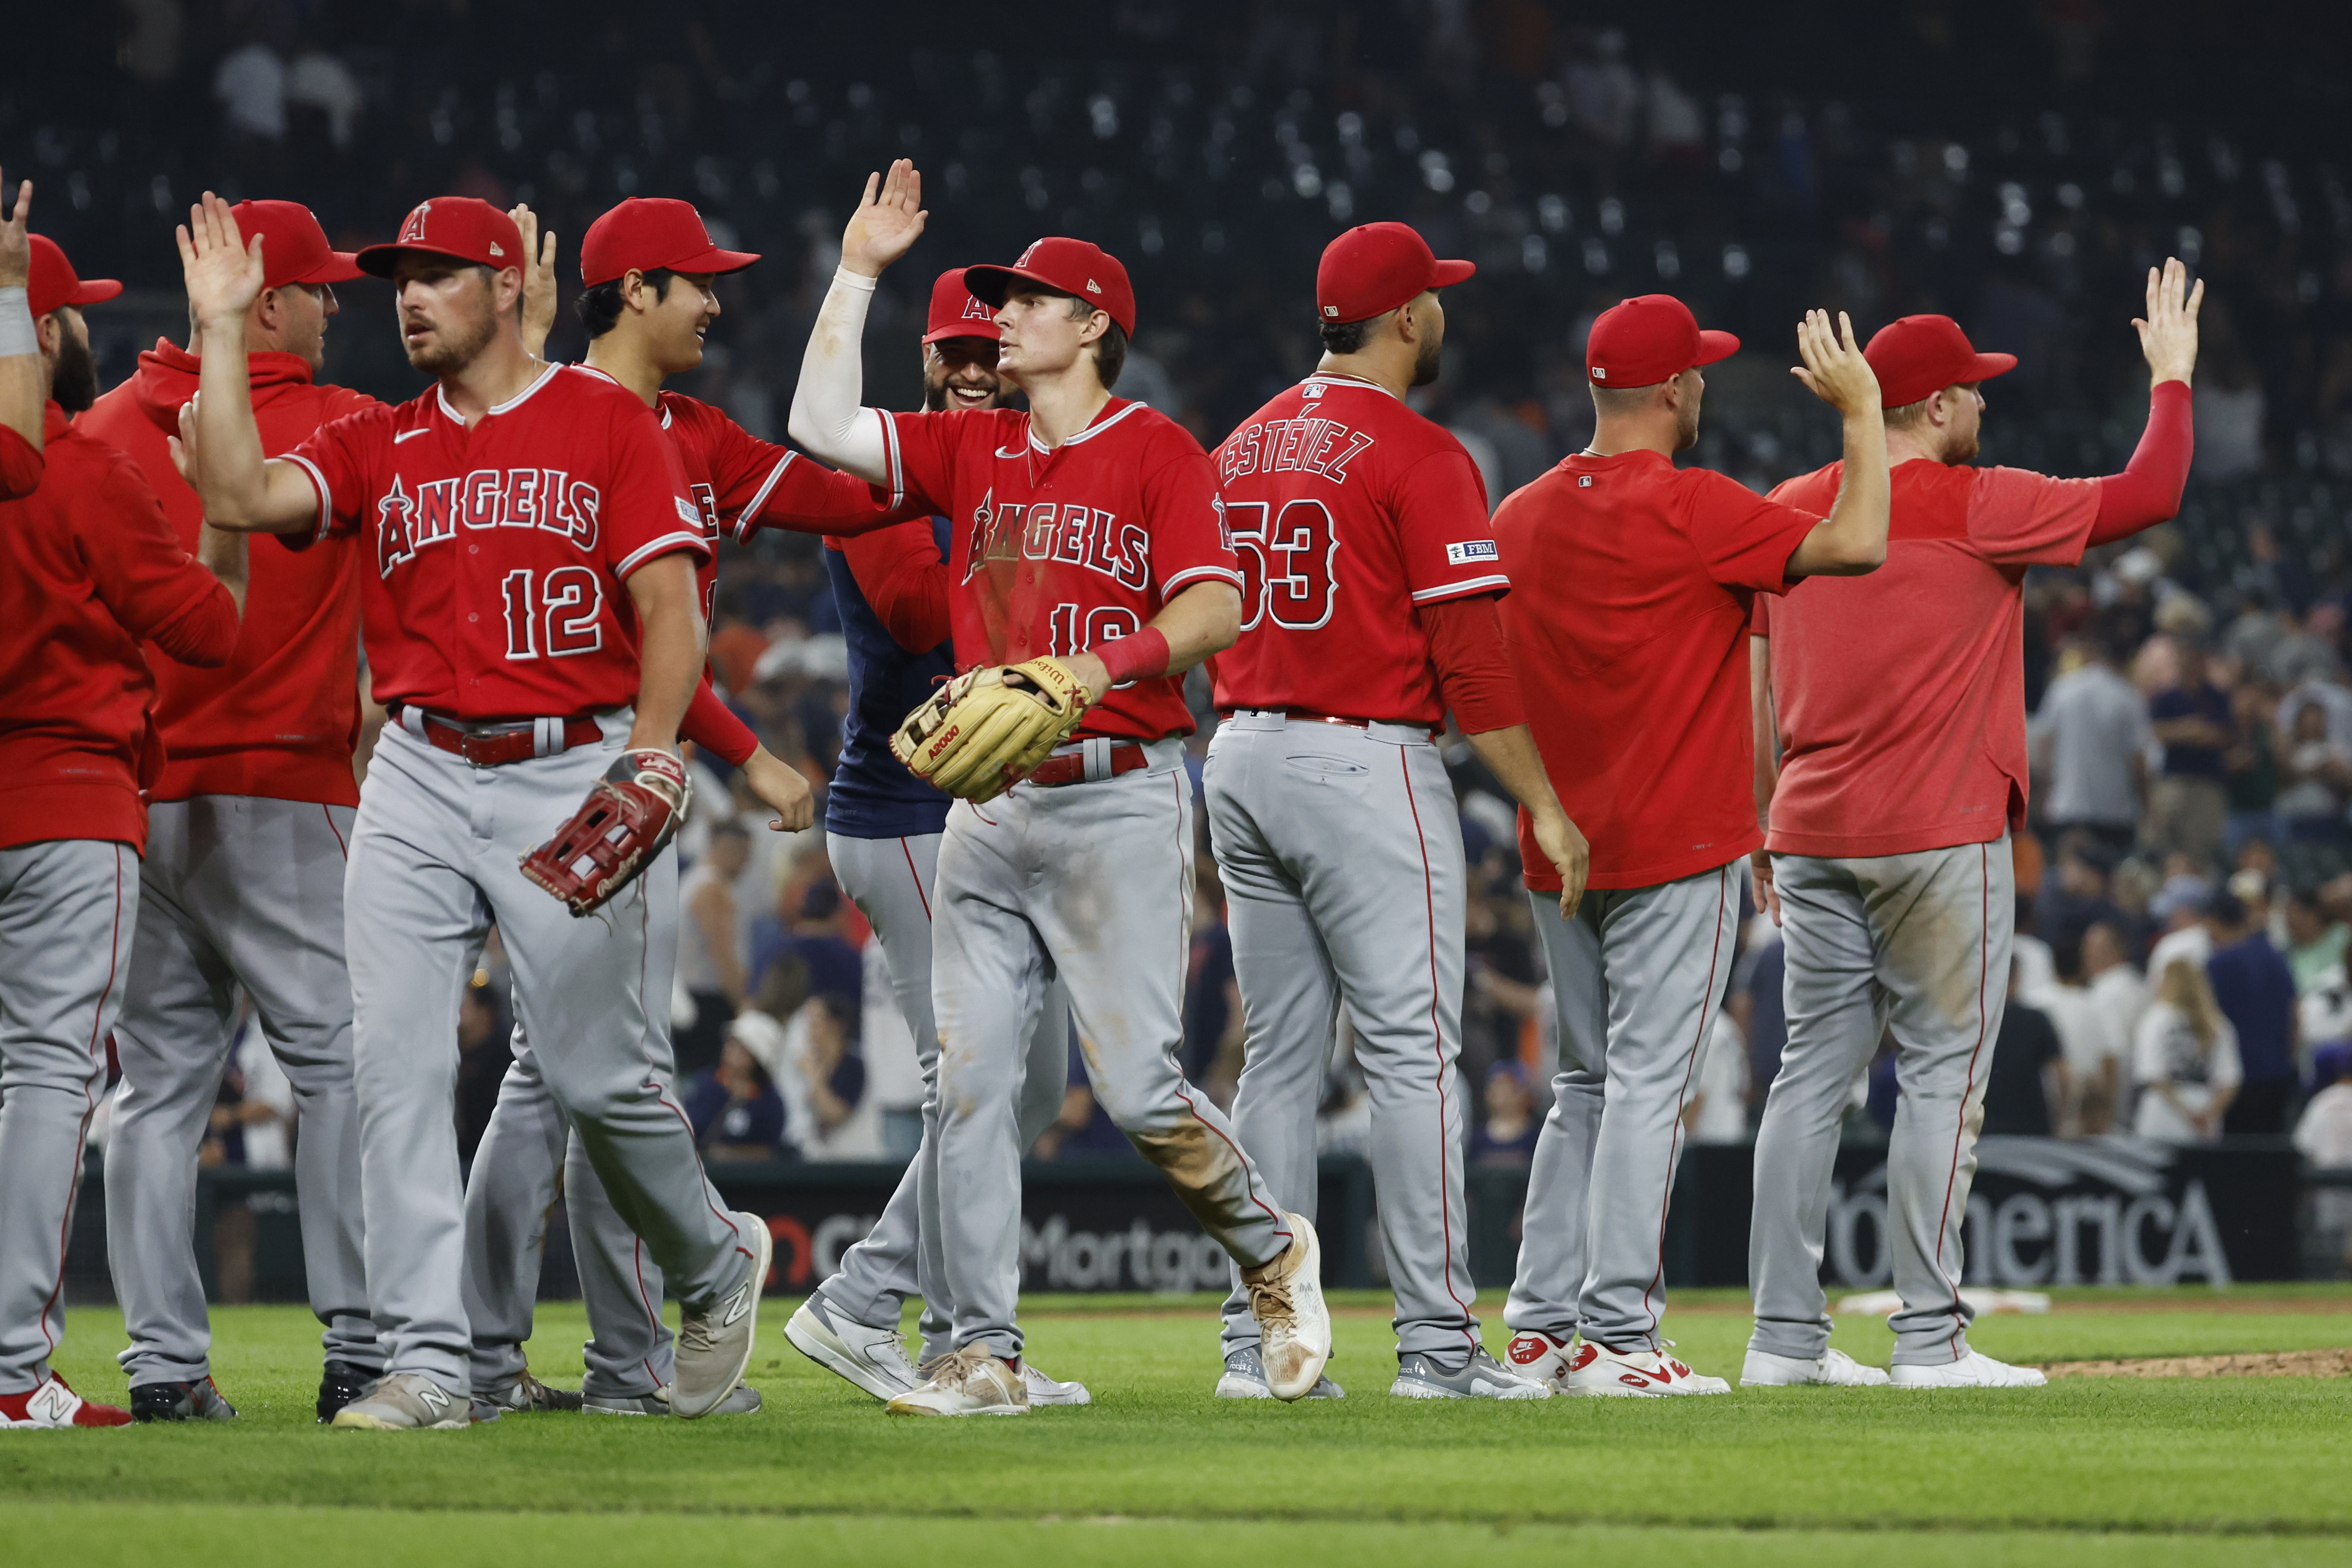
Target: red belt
<point x="1071" y="767"/>
<point x="1335" y="718"/>
<point x="497" y="748"/>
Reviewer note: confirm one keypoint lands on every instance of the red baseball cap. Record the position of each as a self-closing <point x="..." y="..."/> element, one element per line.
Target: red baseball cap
<point x="50" y="282"/>
<point x="294" y="248"/>
<point x="1649" y="339"/>
<point x="1073" y="266"/>
<point x="650" y="233"/>
<point x="955" y="313"/>
<point x="1371" y="269"/>
<point x="462" y="229"/>
<point x="1918" y="356"/>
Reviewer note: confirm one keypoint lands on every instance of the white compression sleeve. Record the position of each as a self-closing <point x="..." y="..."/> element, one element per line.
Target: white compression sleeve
<point x="16" y="333"/>
<point x="826" y="419"/>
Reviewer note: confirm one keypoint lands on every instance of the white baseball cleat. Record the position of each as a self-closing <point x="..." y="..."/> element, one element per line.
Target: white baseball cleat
<point x="1542" y="1357"/>
<point x="714" y="1342"/>
<point x="1245" y="1378"/>
<point x="1479" y="1377"/>
<point x="872" y="1359"/>
<point x="1598" y="1370"/>
<point x="1044" y="1390"/>
<point x="407" y="1402"/>
<point x="1836" y="1369"/>
<point x="1974" y="1370"/>
<point x="1294" y="1325"/>
<point x="971" y="1382"/>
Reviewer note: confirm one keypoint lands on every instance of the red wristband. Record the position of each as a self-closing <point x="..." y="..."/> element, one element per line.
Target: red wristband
<point x="1143" y="655"/>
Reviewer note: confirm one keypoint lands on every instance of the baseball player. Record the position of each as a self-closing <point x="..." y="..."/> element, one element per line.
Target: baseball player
<point x="532" y="625"/>
<point x="648" y="267"/>
<point x="1089" y="553"/>
<point x="242" y="886"/>
<point x="92" y="568"/>
<point x="883" y="827"/>
<point x="1370" y="577"/>
<point x="1628" y="624"/>
<point x="1901" y="717"/>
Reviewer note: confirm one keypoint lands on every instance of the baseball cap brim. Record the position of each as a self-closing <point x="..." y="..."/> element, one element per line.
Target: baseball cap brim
<point x="340" y="267"/>
<point x="378" y="260"/>
<point x="990" y="285"/>
<point x="1714" y="345"/>
<point x="1449" y="273"/>
<point x="1986" y="366"/>
<point x="714" y="261"/>
<point x="94" y="292"/>
<point x="966" y="329"/>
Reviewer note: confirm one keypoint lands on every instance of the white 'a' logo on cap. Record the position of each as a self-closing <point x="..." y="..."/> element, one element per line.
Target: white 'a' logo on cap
<point x="414" y="227"/>
<point x="1028" y="253"/>
<point x="973" y="310"/>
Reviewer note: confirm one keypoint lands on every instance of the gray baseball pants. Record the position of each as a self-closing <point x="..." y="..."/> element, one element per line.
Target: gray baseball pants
<point x="237" y="893"/>
<point x="1341" y="856"/>
<point x="435" y="860"/>
<point x="892" y="882"/>
<point x="68" y="909"/>
<point x="1637" y="976"/>
<point x="1918" y="943"/>
<point x="1093" y="882"/>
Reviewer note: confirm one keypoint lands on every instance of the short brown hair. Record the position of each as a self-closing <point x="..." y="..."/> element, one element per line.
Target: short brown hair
<point x="1110" y="349"/>
<point x="1911" y="414"/>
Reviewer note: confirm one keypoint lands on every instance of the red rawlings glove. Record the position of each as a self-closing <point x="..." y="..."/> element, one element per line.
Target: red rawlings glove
<point x="629" y="818"/>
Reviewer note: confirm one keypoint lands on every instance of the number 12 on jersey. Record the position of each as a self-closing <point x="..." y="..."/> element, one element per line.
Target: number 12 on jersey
<point x="561" y="619"/>
<point x="1287" y="565"/>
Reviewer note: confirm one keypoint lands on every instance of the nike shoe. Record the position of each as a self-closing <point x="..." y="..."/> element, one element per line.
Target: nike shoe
<point x="1836" y="1369"/>
<point x="1635" y="1374"/>
<point x="197" y="1401"/>
<point x="1293" y="1324"/>
<point x="1044" y="1390"/>
<point x="50" y="1407"/>
<point x="524" y="1394"/>
<point x="407" y="1401"/>
<point x="1536" y="1354"/>
<point x="1479" y="1377"/>
<point x="1245" y="1378"/>
<point x="971" y="1382"/>
<point x="339" y="1383"/>
<point x="872" y="1359"/>
<point x="743" y="1399"/>
<point x="714" y="1344"/>
<point x="1974" y="1370"/>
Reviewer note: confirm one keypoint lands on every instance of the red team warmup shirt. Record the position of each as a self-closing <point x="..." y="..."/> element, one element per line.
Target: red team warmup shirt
<point x="1056" y="550"/>
<point x="1348" y="512"/>
<point x="493" y="559"/>
<point x="1901" y="695"/>
<point x="93" y="568"/>
<point x="280" y="719"/>
<point x="1629" y="634"/>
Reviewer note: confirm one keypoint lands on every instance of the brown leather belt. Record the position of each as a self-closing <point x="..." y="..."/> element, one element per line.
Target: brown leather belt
<point x="1335" y="718"/>
<point x="1071" y="767"/>
<point x="496" y="748"/>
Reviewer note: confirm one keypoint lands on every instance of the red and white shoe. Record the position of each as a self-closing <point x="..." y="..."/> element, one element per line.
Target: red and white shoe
<point x="52" y="1406"/>
<point x="1634" y="1375"/>
<point x="1538" y="1355"/>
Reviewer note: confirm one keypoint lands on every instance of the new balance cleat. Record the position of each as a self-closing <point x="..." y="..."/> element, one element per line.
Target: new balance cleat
<point x="714" y="1344"/>
<point x="50" y="1407"/>
<point x="407" y="1402"/>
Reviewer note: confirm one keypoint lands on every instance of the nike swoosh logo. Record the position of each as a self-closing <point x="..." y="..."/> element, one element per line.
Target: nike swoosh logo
<point x="409" y="435"/>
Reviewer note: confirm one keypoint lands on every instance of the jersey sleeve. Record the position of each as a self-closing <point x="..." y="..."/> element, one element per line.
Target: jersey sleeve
<point x="1745" y="539"/>
<point x="2021" y="519"/>
<point x="1444" y="535"/>
<point x="20" y="466"/>
<point x="645" y="512"/>
<point x="920" y="455"/>
<point x="342" y="457"/>
<point x="1189" y="540"/>
<point x="158" y="590"/>
<point x="768" y="486"/>
<point x="899" y="571"/>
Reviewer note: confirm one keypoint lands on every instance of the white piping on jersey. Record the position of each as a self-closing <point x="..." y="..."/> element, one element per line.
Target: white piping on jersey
<point x="891" y="455"/>
<point x="654" y="547"/>
<point x="1338" y="380"/>
<point x="1168" y="589"/>
<point x="742" y="529"/>
<point x="1467" y="586"/>
<point x="442" y="395"/>
<point x="1088" y="434"/>
<point x="319" y="483"/>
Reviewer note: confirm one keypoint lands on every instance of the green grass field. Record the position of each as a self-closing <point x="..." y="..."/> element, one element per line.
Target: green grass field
<point x="2087" y="1472"/>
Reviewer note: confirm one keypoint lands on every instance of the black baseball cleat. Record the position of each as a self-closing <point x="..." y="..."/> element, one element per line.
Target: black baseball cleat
<point x="198" y="1401"/>
<point x="340" y="1384"/>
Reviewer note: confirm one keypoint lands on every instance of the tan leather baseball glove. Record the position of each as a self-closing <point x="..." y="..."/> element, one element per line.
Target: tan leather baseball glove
<point x="981" y="734"/>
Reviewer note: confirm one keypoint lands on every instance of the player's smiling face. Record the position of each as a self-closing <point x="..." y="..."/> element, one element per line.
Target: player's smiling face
<point x="960" y="372"/>
<point x="677" y="322"/>
<point x="448" y="311"/>
<point x="1041" y="336"/>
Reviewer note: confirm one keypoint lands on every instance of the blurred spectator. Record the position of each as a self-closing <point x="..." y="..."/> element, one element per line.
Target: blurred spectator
<point x="894" y="1073"/>
<point x="2121" y="996"/>
<point x="713" y="946"/>
<point x="2074" y="890"/>
<point x="2250" y="768"/>
<point x="2029" y="1076"/>
<point x="2316" y="774"/>
<point x="2316" y="941"/>
<point x="485" y="1050"/>
<point x="2254" y="989"/>
<point x="737" y="1113"/>
<point x="1756" y="977"/>
<point x="2091" y="740"/>
<point x="2085" y="1040"/>
<point x="1508" y="1136"/>
<point x="2323" y="1135"/>
<point x="250" y="86"/>
<point x="266" y="1111"/>
<point x="1717" y="1112"/>
<point x="2192" y="721"/>
<point x="1084" y="1127"/>
<point x="823" y="1082"/>
<point x="2186" y="1060"/>
<point x="322" y="84"/>
<point x="2179" y="908"/>
<point x="812" y="931"/>
<point x="1501" y="1006"/>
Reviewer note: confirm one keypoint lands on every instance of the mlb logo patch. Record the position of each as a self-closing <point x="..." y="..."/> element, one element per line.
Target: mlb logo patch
<point x="1584" y="481"/>
<point x="1312" y="389"/>
<point x="1470" y="549"/>
<point x="687" y="514"/>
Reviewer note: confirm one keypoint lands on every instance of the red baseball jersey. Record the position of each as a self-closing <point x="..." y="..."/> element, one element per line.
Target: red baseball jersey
<point x="1057" y="548"/>
<point x="1900" y="696"/>
<point x="280" y="720"/>
<point x="20" y="466"/>
<point x="494" y="560"/>
<point x="1629" y="634"/>
<point x="1347" y="511"/>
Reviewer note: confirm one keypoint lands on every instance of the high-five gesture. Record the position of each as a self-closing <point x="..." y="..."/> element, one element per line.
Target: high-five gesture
<point x="2167" y="333"/>
<point x="1834" y="369"/>
<point x="15" y="242"/>
<point x="224" y="275"/>
<point x="888" y="222"/>
<point x="539" y="295"/>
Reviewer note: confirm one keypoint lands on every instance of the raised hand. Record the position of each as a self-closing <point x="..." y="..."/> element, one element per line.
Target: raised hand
<point x="539" y="295"/>
<point x="2167" y="333"/>
<point x="184" y="445"/>
<point x="224" y="275"/>
<point x="15" y="242"/>
<point x="888" y="222"/>
<point x="1834" y="369"/>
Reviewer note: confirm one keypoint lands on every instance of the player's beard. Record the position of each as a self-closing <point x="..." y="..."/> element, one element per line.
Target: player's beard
<point x="1425" y="367"/>
<point x="1959" y="449"/>
<point x="73" y="381"/>
<point x="454" y="350"/>
<point x="935" y="394"/>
